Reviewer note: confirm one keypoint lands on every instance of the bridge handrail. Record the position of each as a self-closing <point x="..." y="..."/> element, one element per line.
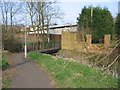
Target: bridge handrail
<point x="31" y="46"/>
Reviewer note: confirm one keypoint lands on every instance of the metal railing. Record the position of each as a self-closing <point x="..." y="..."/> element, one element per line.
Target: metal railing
<point x="45" y="45"/>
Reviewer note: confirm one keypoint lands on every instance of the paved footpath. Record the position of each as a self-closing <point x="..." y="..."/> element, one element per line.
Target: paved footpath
<point x="28" y="74"/>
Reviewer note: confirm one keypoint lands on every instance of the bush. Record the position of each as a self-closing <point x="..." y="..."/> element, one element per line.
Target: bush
<point x="12" y="44"/>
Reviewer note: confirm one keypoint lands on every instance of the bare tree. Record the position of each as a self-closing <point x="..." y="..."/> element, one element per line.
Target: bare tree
<point x="5" y="10"/>
<point x="31" y="10"/>
<point x="41" y="15"/>
<point x="51" y="13"/>
<point x="14" y="10"/>
<point x="9" y="10"/>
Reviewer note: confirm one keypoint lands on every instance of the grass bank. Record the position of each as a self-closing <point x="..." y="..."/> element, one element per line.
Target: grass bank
<point x="93" y="59"/>
<point x="5" y="65"/>
<point x="70" y="74"/>
<point x="4" y="62"/>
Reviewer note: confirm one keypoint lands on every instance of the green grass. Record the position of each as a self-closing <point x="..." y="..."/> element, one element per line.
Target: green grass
<point x="70" y="74"/>
<point x="4" y="63"/>
<point x="6" y="83"/>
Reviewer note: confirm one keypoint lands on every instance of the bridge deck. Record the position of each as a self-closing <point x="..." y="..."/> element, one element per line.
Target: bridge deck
<point x="49" y="51"/>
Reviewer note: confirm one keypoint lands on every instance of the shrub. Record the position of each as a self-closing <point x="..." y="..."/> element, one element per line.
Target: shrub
<point x="12" y="44"/>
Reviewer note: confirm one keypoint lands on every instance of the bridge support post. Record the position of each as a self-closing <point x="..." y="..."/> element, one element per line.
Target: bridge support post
<point x="106" y="41"/>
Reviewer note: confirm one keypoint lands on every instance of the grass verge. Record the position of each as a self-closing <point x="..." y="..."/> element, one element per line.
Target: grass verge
<point x="69" y="74"/>
<point x="6" y="83"/>
<point x="5" y="65"/>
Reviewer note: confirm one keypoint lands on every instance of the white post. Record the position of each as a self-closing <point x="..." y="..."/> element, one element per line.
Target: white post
<point x="25" y="44"/>
<point x="91" y="17"/>
<point x="48" y="35"/>
<point x="48" y="39"/>
<point x="91" y="11"/>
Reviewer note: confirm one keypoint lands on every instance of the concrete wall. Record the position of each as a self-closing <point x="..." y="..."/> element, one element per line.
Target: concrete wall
<point x="29" y="37"/>
<point x="55" y="37"/>
<point x="32" y="37"/>
<point x="72" y="41"/>
<point x="68" y="40"/>
<point x="89" y="39"/>
<point x="106" y="41"/>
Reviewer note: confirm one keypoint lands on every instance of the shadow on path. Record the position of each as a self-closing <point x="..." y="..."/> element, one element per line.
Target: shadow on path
<point x="24" y="62"/>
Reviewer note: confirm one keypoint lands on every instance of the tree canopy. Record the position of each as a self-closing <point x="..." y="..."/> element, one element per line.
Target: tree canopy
<point x="117" y="25"/>
<point x="96" y="21"/>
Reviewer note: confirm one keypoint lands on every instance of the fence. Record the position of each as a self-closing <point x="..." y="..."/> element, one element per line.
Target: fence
<point x="42" y="45"/>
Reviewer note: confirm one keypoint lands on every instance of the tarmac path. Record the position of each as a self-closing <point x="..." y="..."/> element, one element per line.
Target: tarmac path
<point x="28" y="74"/>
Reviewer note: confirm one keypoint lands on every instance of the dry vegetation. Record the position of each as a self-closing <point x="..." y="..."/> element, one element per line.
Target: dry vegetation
<point x="106" y="59"/>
